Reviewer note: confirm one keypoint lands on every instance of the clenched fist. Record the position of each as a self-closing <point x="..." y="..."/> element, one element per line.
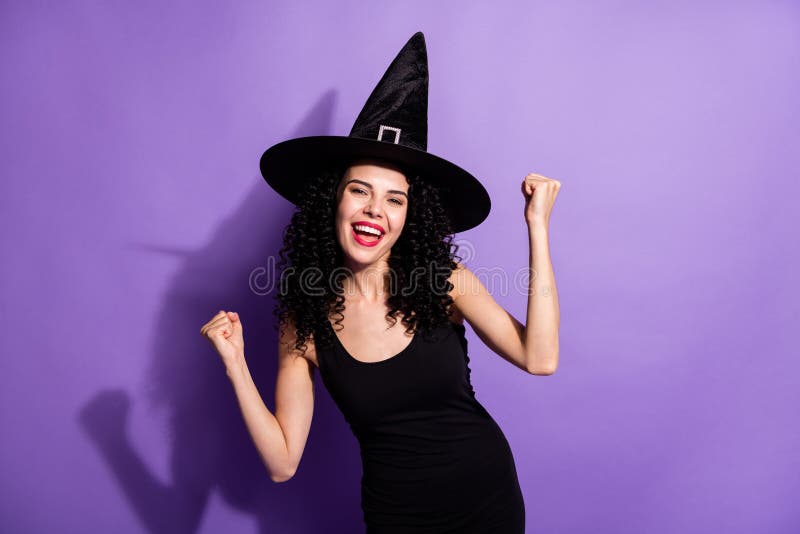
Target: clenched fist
<point x="224" y="331"/>
<point x="540" y="194"/>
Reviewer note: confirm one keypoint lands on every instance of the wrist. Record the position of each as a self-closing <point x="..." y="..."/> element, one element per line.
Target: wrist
<point x="537" y="225"/>
<point x="236" y="368"/>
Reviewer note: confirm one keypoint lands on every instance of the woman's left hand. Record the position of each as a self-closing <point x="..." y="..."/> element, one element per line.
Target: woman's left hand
<point x="540" y="194"/>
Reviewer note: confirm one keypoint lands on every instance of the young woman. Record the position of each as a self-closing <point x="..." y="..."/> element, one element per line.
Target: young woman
<point x="372" y="296"/>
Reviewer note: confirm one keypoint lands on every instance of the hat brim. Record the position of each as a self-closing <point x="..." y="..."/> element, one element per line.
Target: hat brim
<point x="288" y="165"/>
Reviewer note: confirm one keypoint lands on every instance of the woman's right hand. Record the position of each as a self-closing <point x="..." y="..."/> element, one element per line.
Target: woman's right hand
<point x="224" y="332"/>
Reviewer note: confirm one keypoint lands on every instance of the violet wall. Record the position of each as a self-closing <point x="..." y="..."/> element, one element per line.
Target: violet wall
<point x="133" y="210"/>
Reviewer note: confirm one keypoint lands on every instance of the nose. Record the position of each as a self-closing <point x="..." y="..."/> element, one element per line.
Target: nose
<point x="373" y="207"/>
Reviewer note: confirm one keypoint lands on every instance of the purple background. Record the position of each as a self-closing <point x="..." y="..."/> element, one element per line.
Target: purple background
<point x="133" y="210"/>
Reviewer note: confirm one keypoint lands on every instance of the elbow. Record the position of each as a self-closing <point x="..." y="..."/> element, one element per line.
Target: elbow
<point x="543" y="366"/>
<point x="542" y="371"/>
<point x="282" y="477"/>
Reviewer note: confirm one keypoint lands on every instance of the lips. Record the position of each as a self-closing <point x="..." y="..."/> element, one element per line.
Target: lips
<point x="365" y="233"/>
<point x="371" y="225"/>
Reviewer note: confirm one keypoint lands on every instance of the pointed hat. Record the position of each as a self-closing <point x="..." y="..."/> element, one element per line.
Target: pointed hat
<point x="392" y="126"/>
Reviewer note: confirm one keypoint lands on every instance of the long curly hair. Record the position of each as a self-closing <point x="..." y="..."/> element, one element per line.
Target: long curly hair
<point x="311" y="263"/>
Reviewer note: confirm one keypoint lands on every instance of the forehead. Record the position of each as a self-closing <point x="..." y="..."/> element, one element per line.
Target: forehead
<point x="376" y="170"/>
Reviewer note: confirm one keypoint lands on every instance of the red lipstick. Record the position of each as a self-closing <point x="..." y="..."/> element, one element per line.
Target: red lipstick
<point x="371" y="225"/>
<point x="361" y="240"/>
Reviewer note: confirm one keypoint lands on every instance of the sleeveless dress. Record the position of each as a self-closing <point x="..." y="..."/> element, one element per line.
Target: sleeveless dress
<point x="433" y="459"/>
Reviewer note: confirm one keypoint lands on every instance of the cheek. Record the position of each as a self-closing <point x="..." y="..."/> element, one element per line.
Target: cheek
<point x="343" y="213"/>
<point x="399" y="222"/>
<point x="404" y="215"/>
<point x="338" y="222"/>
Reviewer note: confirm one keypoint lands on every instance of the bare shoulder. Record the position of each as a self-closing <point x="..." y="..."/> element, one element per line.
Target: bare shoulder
<point x="286" y="345"/>
<point x="459" y="279"/>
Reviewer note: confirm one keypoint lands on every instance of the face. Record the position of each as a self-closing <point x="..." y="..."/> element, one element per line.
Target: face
<point x="372" y="199"/>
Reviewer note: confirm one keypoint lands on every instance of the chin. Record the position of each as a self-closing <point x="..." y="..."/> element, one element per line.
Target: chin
<point x="358" y="254"/>
<point x="364" y="256"/>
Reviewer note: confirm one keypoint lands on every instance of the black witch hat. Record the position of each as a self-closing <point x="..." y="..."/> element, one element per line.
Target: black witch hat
<point x="392" y="126"/>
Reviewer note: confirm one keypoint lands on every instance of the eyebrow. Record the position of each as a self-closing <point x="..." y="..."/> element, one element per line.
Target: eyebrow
<point x="367" y="184"/>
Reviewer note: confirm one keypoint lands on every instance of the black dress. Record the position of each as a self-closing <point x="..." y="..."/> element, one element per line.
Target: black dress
<point x="433" y="459"/>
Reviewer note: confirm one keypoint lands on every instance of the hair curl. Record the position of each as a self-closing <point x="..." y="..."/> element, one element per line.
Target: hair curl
<point x="311" y="263"/>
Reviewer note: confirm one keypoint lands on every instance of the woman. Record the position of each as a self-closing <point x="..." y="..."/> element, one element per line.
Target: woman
<point x="372" y="296"/>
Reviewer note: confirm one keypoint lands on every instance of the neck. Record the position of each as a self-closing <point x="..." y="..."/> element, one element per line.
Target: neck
<point x="366" y="282"/>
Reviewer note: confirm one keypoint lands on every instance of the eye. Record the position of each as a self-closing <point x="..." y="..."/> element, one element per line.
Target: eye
<point x="357" y="190"/>
<point x="398" y="202"/>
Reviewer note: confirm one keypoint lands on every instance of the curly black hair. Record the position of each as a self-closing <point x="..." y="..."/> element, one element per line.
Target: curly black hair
<point x="311" y="263"/>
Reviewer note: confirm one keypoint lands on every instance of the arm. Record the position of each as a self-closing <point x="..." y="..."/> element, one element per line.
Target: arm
<point x="543" y="314"/>
<point x="498" y="329"/>
<point x="532" y="347"/>
<point x="280" y="438"/>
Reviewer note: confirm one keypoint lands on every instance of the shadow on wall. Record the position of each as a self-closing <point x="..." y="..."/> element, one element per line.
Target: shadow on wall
<point x="210" y="448"/>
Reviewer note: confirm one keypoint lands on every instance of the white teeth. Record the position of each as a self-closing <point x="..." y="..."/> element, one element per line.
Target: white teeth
<point x="368" y="229"/>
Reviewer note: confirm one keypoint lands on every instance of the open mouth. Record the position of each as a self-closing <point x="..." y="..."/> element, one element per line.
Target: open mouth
<point x="366" y="235"/>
